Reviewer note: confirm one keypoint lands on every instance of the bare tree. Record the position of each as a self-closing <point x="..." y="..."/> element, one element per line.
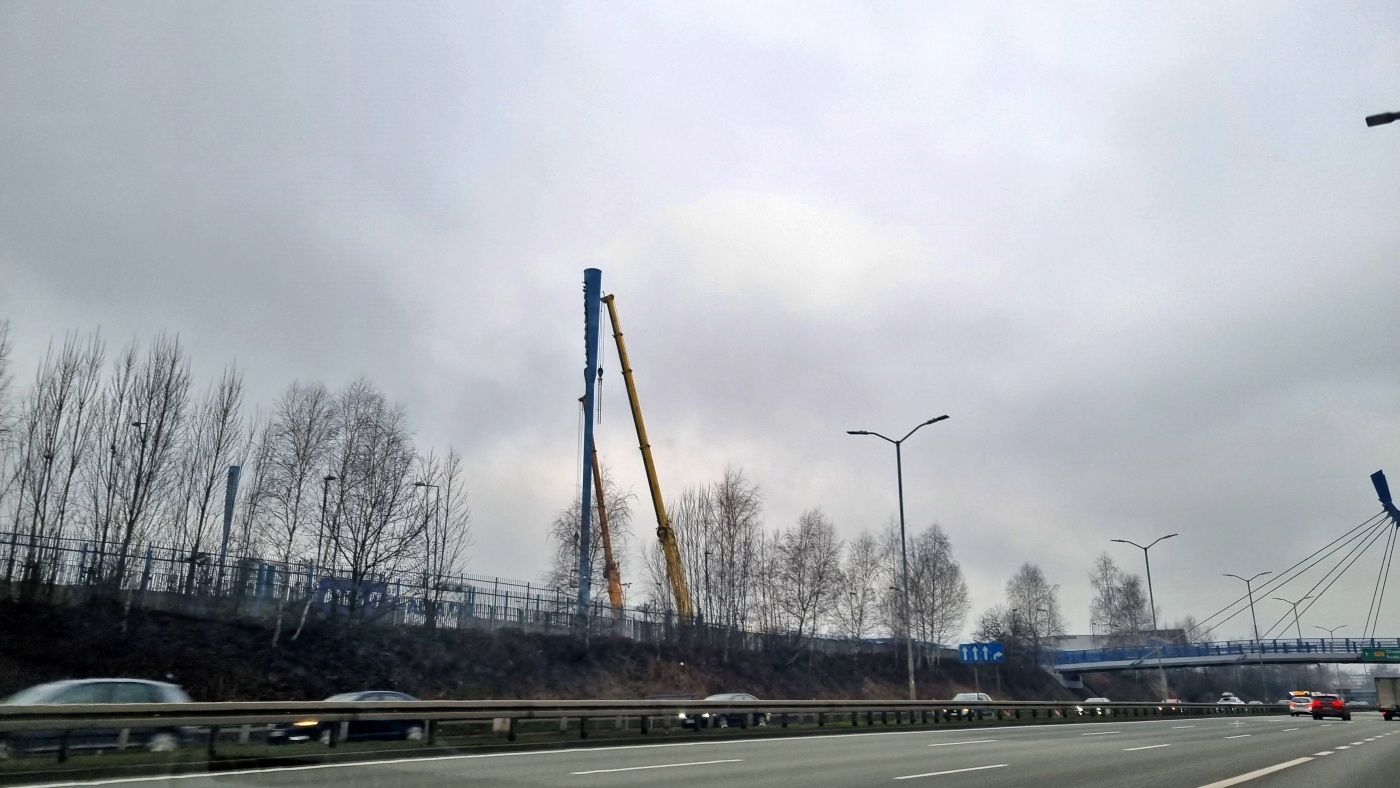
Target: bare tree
<point x="863" y="578"/>
<point x="564" y="539"/>
<point x="295" y="453"/>
<point x="446" y="534"/>
<point x="157" y="414"/>
<point x="808" y="574"/>
<point x="373" y="530"/>
<point x="938" y="593"/>
<point x="55" y="438"/>
<point x="1034" y="604"/>
<point x="1119" y="608"/>
<point x="212" y="445"/>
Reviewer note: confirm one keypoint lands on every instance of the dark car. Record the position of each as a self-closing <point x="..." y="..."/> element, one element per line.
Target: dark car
<point x="357" y="730"/>
<point x="86" y="691"/>
<point x="1329" y="706"/>
<point x="723" y="719"/>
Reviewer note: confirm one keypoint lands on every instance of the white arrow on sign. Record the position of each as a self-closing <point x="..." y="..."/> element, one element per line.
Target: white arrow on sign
<point x="985" y="652"/>
<point x="996" y="655"/>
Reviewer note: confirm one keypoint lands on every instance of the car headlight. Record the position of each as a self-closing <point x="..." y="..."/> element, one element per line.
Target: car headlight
<point x="303" y="723"/>
<point x="681" y="715"/>
<point x="706" y="714"/>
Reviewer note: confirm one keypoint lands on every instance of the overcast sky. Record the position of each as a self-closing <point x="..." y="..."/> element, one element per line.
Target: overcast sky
<point x="1144" y="255"/>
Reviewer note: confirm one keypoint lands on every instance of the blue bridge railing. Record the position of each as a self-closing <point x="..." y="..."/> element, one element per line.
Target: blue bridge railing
<point x="1224" y="648"/>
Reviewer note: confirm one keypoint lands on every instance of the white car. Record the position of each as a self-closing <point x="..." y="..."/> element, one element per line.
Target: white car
<point x="1230" y="700"/>
<point x="1299" y="704"/>
<point x="1098" y="700"/>
<point x="972" y="697"/>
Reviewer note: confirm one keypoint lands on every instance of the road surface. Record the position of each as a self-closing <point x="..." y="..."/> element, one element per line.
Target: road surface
<point x="1260" y="752"/>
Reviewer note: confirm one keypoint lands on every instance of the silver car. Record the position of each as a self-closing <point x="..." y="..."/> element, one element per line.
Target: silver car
<point x="87" y="691"/>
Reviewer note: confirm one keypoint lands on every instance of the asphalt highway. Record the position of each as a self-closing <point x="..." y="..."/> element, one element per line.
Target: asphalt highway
<point x="1260" y="752"/>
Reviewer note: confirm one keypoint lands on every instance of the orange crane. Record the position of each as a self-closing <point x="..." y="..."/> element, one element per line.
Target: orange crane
<point x="675" y="571"/>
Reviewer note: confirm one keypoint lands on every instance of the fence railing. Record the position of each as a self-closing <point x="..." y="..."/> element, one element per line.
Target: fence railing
<point x="159" y="576"/>
<point x="1225" y="648"/>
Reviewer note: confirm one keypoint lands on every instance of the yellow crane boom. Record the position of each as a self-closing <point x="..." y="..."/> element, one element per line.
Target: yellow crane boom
<point x="675" y="572"/>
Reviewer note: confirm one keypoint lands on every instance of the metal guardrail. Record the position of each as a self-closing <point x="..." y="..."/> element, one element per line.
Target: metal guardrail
<point x="226" y="715"/>
<point x="1224" y="648"/>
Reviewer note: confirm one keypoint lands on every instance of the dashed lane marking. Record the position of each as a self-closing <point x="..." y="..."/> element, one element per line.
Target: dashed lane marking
<point x="952" y="771"/>
<point x="1246" y="777"/>
<point x="1148" y="747"/>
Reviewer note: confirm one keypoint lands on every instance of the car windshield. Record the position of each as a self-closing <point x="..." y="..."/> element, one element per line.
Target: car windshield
<point x="345" y="696"/>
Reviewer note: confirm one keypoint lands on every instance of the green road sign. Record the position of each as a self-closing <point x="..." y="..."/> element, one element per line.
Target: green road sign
<point x="1380" y="655"/>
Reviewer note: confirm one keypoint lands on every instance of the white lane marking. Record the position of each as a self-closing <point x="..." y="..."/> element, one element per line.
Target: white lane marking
<point x="955" y="743"/>
<point x="1324" y="752"/>
<point x="1148" y="747"/>
<point x="1357" y="743"/>
<point x="659" y="766"/>
<point x="1240" y="736"/>
<point x="1343" y="747"/>
<point x="1182" y="727"/>
<point x="1100" y="733"/>
<point x="952" y="771"/>
<point x="1325" y="724"/>
<point x="1286" y="730"/>
<point x="1246" y="777"/>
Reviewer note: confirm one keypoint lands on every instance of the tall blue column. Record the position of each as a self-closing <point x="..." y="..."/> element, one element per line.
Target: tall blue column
<point x="592" y="292"/>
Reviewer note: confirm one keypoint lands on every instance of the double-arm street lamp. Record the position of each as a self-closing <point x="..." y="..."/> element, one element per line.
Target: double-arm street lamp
<point x="1382" y="119"/>
<point x="903" y="549"/>
<point x="1295" y="605"/>
<point x="1152" y="604"/>
<point x="1332" y="636"/>
<point x="1258" y="647"/>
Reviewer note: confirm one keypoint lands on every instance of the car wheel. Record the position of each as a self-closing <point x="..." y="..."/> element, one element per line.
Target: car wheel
<point x="1346" y="718"/>
<point x="325" y="737"/>
<point x="163" y="741"/>
<point x="723" y="722"/>
<point x="413" y="733"/>
<point x="1317" y="716"/>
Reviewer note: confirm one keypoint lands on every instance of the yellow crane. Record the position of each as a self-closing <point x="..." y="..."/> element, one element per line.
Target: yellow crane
<point x="675" y="572"/>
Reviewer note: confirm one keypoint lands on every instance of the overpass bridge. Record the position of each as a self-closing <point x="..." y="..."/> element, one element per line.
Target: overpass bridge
<point x="1221" y="654"/>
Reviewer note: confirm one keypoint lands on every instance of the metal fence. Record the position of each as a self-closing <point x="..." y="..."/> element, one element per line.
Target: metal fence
<point x="162" y="577"/>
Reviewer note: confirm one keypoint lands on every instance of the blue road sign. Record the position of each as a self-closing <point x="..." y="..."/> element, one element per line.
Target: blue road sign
<point x="982" y="652"/>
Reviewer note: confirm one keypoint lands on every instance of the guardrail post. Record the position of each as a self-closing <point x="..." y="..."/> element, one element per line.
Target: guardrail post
<point x="510" y="729"/>
<point x="821" y="719"/>
<point x="213" y="741"/>
<point x="643" y="724"/>
<point x="244" y="733"/>
<point x="583" y="727"/>
<point x="784" y="719"/>
<point x="63" y="747"/>
<point x="923" y="716"/>
<point x="431" y="731"/>
<point x="123" y="737"/>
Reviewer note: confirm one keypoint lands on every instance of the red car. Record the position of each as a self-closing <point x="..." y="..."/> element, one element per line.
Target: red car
<point x="1329" y="706"/>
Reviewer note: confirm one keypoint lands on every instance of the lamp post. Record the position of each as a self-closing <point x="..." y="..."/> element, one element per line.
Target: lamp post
<point x="1152" y="605"/>
<point x="903" y="549"/>
<point x="1295" y="605"/>
<point x="1330" y="636"/>
<point x="1258" y="647"/>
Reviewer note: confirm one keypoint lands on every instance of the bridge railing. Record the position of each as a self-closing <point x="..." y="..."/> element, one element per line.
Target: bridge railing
<point x="1223" y="648"/>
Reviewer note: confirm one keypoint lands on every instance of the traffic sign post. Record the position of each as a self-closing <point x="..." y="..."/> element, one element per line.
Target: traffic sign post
<point x="981" y="652"/>
<point x="1380" y="655"/>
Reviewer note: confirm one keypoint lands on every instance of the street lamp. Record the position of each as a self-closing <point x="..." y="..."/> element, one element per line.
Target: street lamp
<point x="1295" y="605"/>
<point x="1258" y="647"/>
<point x="903" y="549"/>
<point x="1336" y="666"/>
<point x="1152" y="604"/>
<point x="1382" y="119"/>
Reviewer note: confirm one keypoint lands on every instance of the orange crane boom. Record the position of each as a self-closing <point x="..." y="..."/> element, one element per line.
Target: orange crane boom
<point x="675" y="571"/>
